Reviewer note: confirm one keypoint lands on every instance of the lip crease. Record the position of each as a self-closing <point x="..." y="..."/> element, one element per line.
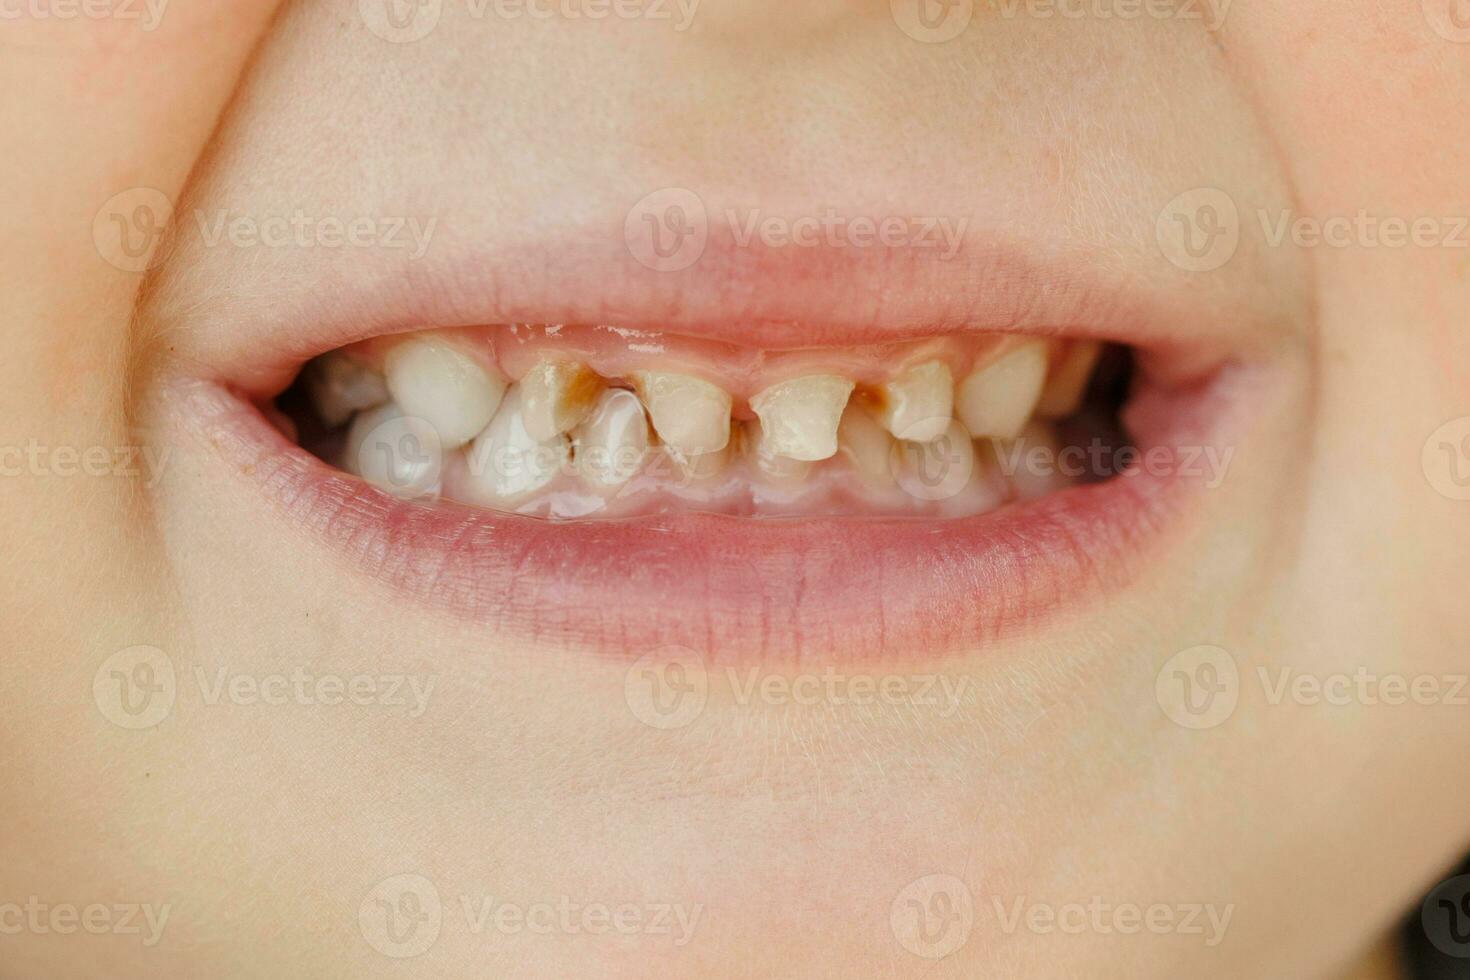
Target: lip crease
<point x="736" y="590"/>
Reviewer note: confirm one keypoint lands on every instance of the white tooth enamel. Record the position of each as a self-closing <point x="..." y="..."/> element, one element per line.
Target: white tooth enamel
<point x="774" y="467"/>
<point x="689" y="414"/>
<point x="799" y="417"/>
<point x="1068" y="380"/>
<point x="555" y="396"/>
<point x="940" y="468"/>
<point x="1030" y="461"/>
<point x="610" y="445"/>
<point x="398" y="453"/>
<point x="917" y="405"/>
<point x="432" y="380"/>
<point x="505" y="464"/>
<point x="865" y="445"/>
<point x="340" y="386"/>
<point x="692" y="468"/>
<point x="996" y="400"/>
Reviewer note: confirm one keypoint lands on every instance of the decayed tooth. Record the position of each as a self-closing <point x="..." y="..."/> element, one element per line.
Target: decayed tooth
<point x="997" y="400"/>
<point x="555" y="396"/>
<point x="775" y="468"/>
<point x="799" y="417"/>
<point x="505" y="464"/>
<point x="432" y="380"/>
<point x="866" y="446"/>
<point x="611" y="443"/>
<point x="340" y="386"/>
<point x="1068" y="380"/>
<point x="689" y="414"/>
<point x="398" y="453"/>
<point x="917" y="405"/>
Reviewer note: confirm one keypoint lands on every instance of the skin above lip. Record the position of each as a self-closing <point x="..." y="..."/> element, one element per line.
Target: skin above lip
<point x="730" y="588"/>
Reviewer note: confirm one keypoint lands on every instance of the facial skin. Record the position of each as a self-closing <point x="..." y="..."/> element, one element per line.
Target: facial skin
<point x="789" y="832"/>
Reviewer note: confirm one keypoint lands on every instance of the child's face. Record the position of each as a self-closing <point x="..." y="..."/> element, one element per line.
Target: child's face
<point x="799" y="716"/>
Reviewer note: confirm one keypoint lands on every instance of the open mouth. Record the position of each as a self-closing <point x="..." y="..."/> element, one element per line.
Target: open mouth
<point x="594" y="423"/>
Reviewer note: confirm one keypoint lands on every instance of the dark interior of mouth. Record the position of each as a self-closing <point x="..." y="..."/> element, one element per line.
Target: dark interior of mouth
<point x="595" y="423"/>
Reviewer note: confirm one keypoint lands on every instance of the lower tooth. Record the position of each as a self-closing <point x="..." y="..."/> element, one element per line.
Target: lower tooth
<point x="693" y="467"/>
<point x="1068" y="380"/>
<point x="917" y="405"/>
<point x="340" y="386"/>
<point x="939" y="469"/>
<point x="505" y="464"/>
<point x="395" y="452"/>
<point x="774" y="467"/>
<point x="611" y="443"/>
<point x="866" y="446"/>
<point x="555" y="396"/>
<point x="1031" y="461"/>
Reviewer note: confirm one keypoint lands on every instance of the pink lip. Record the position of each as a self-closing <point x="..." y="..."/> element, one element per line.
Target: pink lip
<point x="733" y="589"/>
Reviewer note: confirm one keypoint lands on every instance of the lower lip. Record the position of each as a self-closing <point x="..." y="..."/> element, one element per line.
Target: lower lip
<point x="737" y="590"/>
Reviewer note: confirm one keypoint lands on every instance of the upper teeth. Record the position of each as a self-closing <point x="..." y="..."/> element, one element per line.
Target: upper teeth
<point x="688" y="413"/>
<point x="555" y="396"/>
<point x="918" y="404"/>
<point x="799" y="417"/>
<point x="1068" y="380"/>
<point x="434" y="381"/>
<point x="997" y="399"/>
<point x="340" y="386"/>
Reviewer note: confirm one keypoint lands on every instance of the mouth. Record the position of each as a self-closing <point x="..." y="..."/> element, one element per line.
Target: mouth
<point x="630" y="487"/>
